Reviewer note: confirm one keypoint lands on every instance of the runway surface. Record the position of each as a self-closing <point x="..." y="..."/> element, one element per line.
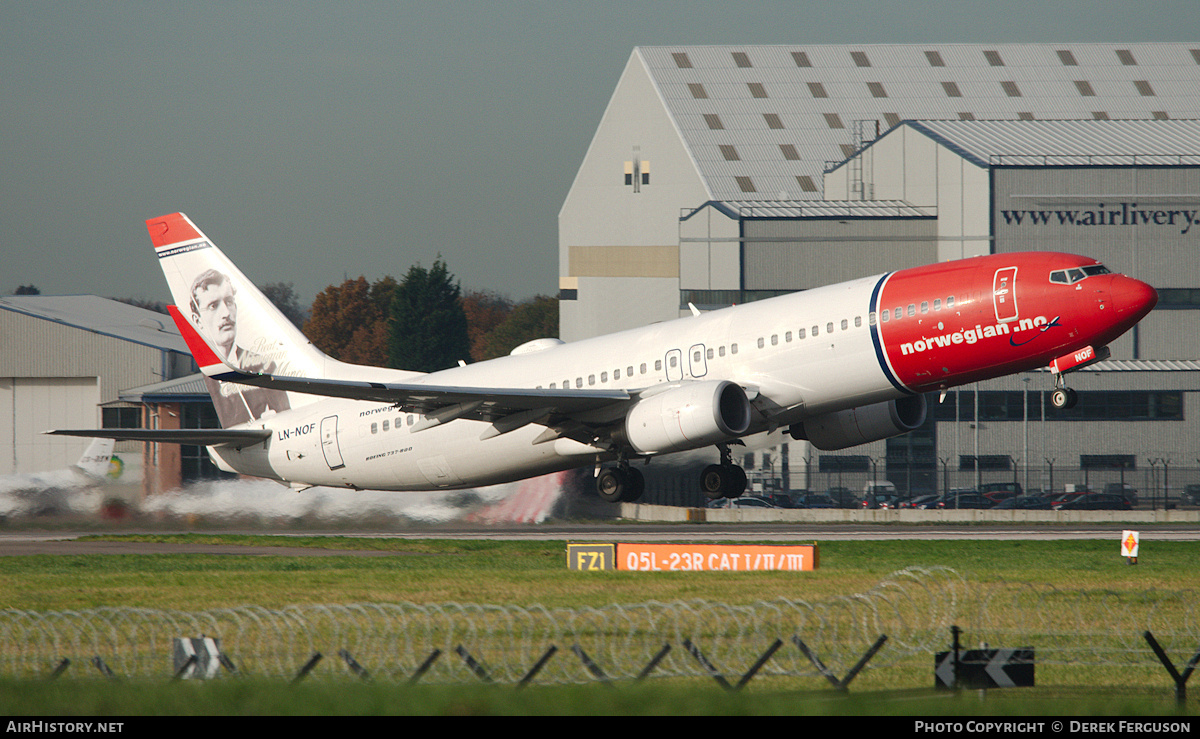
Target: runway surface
<point x="24" y="543"/>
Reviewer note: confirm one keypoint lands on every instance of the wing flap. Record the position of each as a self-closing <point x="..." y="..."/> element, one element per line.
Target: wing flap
<point x="198" y="437"/>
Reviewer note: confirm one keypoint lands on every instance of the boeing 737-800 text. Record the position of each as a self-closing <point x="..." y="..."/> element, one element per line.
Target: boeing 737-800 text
<point x="838" y="366"/>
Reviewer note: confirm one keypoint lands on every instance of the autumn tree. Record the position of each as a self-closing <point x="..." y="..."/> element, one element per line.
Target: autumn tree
<point x="283" y="296"/>
<point x="485" y="310"/>
<point x="349" y="321"/>
<point x="536" y="318"/>
<point x="428" y="328"/>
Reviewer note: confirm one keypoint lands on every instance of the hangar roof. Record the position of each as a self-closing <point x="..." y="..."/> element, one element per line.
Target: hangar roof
<point x="763" y="121"/>
<point x="1063" y="143"/>
<point x="101" y="316"/>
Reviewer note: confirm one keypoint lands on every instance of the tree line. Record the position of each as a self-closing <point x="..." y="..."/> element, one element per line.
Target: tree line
<point x="423" y="322"/>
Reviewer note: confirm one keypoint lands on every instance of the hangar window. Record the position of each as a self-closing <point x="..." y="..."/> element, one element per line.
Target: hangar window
<point x="745" y="184"/>
<point x="1099" y="115"/>
<point x="121" y="418"/>
<point x="741" y="59"/>
<point x="891" y="119"/>
<point x="1067" y="58"/>
<point x="951" y="89"/>
<point x="1160" y="115"/>
<point x="730" y="153"/>
<point x="860" y="58"/>
<point x="848" y="150"/>
<point x="1085" y="88"/>
<point x="1025" y="116"/>
<point x="789" y="152"/>
<point x="1144" y="89"/>
<point x="681" y="60"/>
<point x="817" y="90"/>
<point x="935" y="59"/>
<point x="993" y="58"/>
<point x="1196" y="55"/>
<point x="1011" y="89"/>
<point x="876" y="89"/>
<point x="1175" y="298"/>
<point x="714" y="121"/>
<point x="773" y="120"/>
<point x="756" y="89"/>
<point x="698" y="91"/>
<point x="806" y="183"/>
<point x="801" y="59"/>
<point x="966" y="116"/>
<point x="1126" y="57"/>
<point x="833" y="120"/>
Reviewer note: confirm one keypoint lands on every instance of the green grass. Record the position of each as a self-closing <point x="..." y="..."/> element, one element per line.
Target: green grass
<point x="432" y="571"/>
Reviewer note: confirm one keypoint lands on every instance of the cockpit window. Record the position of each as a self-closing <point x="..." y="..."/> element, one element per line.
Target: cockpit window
<point x="1071" y="276"/>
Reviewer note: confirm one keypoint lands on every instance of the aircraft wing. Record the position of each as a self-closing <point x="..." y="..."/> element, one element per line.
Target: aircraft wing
<point x="199" y="437"/>
<point x="487" y="403"/>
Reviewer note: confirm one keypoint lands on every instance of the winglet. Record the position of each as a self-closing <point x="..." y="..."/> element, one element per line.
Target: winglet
<point x="172" y="229"/>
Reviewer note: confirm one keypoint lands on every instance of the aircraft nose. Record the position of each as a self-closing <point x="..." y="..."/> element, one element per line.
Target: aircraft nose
<point x="1133" y="297"/>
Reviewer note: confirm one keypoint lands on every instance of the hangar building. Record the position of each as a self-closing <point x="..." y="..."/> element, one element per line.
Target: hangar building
<point x="721" y="175"/>
<point x="78" y="362"/>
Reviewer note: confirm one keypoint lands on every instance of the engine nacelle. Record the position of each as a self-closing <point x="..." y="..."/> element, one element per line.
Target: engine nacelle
<point x="687" y="417"/>
<point x="855" y="426"/>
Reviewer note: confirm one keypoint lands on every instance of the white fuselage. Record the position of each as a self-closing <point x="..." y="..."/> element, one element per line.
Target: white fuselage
<point x="758" y="346"/>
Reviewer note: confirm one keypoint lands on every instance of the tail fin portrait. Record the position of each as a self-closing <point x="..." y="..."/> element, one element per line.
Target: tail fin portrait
<point x="238" y="323"/>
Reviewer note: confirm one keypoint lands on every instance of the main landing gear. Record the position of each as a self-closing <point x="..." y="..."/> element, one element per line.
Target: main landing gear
<point x="620" y="484"/>
<point x="725" y="480"/>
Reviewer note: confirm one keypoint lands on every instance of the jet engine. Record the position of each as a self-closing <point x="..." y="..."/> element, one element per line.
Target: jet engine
<point x="687" y="417"/>
<point x="842" y="429"/>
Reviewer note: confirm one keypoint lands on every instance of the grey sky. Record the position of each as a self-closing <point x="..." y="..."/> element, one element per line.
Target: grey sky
<point x="317" y="140"/>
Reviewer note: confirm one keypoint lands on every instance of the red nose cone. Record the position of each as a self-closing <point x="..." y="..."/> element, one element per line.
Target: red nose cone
<point x="1133" y="297"/>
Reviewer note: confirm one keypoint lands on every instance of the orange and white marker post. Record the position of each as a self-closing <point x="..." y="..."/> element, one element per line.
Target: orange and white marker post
<point x="1129" y="546"/>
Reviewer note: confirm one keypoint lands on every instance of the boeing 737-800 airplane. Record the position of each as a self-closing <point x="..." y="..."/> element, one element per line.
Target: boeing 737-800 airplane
<point x="838" y="366"/>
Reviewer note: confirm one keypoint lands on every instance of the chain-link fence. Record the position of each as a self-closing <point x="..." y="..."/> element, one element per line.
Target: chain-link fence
<point x="1101" y="632"/>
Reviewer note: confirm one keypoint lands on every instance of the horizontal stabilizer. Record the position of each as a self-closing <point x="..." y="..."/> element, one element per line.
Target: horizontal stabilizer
<point x="198" y="437"/>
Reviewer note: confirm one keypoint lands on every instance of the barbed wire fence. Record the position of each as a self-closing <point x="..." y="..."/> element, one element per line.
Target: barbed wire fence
<point x="891" y="630"/>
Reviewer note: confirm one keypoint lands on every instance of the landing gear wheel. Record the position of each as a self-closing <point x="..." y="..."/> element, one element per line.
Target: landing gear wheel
<point x="1063" y="397"/>
<point x="723" y="481"/>
<point x="620" y="485"/>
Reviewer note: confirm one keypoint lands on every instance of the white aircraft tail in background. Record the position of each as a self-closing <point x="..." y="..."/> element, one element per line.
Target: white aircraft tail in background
<point x="59" y="490"/>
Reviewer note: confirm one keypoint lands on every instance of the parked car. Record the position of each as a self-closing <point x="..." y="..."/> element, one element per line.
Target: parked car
<point x="843" y="497"/>
<point x="746" y="501"/>
<point x="964" y="501"/>
<point x="1024" y="503"/>
<point x="815" y="500"/>
<point x="999" y="491"/>
<point x="1059" y="499"/>
<point x="1097" y="502"/>
<point x="781" y="500"/>
<point x="880" y="500"/>
<point x="1123" y="488"/>
<point x="918" y="501"/>
<point x="1190" y="494"/>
